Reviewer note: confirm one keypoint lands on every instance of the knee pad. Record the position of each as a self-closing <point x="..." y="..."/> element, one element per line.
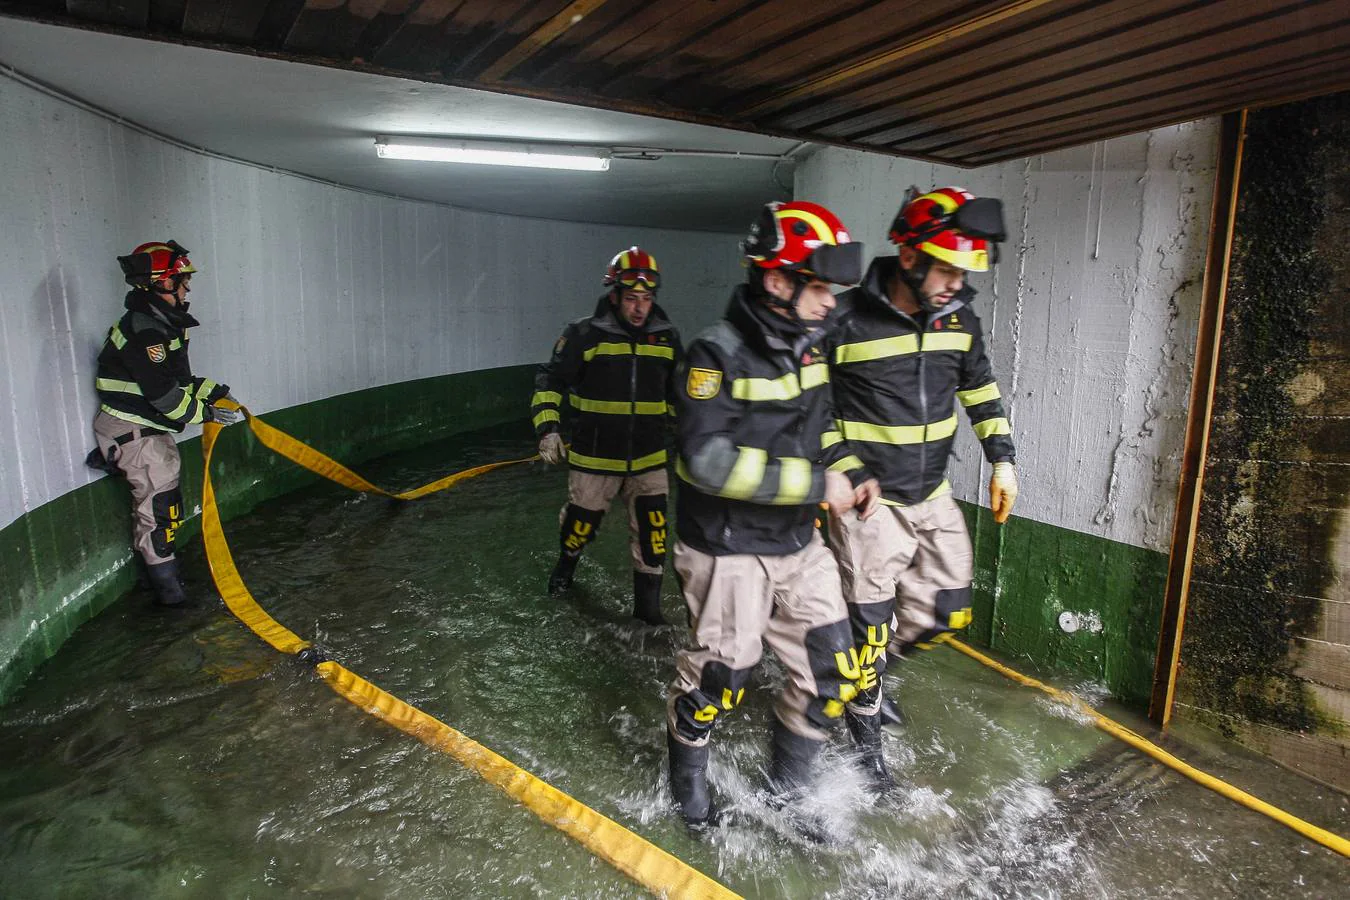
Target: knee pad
<point x="167" y="507"/>
<point x="579" y="527"/>
<point x="871" y="624"/>
<point x="951" y="609"/>
<point x="650" y="510"/>
<point x="838" y="670"/>
<point x="720" y="690"/>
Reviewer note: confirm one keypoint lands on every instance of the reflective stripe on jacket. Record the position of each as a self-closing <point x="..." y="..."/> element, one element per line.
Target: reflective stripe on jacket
<point x="618" y="386"/>
<point x="897" y="383"/>
<point x="144" y="376"/>
<point x="755" y="434"/>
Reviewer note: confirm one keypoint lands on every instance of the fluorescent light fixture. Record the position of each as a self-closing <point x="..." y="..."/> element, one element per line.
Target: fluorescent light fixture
<point x="494" y="153"/>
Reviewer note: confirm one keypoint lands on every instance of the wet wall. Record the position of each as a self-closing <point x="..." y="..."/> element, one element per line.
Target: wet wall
<point x="364" y="322"/>
<point x="1091" y="319"/>
<point x="1266" y="643"/>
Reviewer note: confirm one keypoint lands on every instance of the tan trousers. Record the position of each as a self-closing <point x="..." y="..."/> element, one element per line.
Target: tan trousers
<point x="645" y="497"/>
<point x="739" y="603"/>
<point x="909" y="567"/>
<point x="150" y="462"/>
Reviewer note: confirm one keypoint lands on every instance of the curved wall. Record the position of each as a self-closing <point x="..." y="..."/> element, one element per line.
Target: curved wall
<point x="307" y="292"/>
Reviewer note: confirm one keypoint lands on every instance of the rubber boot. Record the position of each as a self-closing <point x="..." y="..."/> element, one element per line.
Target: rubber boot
<point x="866" y="731"/>
<point x="647" y="598"/>
<point x="689" y="783"/>
<point x="891" y="714"/>
<point x="793" y="763"/>
<point x="165" y="583"/>
<point x="560" y="579"/>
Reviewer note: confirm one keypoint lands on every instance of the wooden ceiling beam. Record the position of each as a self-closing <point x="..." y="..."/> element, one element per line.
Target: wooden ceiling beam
<point x="540" y="38"/>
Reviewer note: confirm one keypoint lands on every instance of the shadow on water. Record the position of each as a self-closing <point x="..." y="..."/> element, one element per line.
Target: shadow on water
<point x="177" y="755"/>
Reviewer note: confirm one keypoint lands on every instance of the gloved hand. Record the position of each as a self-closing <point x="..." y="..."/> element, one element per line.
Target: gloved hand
<point x="1002" y="491"/>
<point x="551" y="449"/>
<point x="222" y="416"/>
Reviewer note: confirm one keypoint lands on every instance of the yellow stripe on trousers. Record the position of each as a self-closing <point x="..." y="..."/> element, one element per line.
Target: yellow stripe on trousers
<point x="1326" y="838"/>
<point x="644" y="862"/>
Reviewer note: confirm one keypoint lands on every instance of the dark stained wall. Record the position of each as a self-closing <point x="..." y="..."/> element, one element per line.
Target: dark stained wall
<point x="1266" y="647"/>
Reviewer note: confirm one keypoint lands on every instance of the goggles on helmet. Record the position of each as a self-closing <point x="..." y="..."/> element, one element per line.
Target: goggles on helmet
<point x="639" y="279"/>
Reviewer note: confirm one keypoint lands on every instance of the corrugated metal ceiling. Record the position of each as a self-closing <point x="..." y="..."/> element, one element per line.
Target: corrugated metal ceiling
<point x="961" y="82"/>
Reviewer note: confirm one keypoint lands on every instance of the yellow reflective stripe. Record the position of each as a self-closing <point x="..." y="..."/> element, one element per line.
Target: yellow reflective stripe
<point x="181" y="409"/>
<point x="129" y="417"/>
<point x="990" y="427"/>
<point x="175" y="344"/>
<point x="661" y="350"/>
<point x="747" y="474"/>
<point x="610" y="407"/>
<point x="794" y="480"/>
<point x="944" y="488"/>
<point x="121" y="387"/>
<point x="878" y="349"/>
<point x="650" y="408"/>
<point x="206" y="388"/>
<point x="119" y="340"/>
<point x="979" y="395"/>
<point x="784" y="387"/>
<point x="829" y="439"/>
<point x="815" y="375"/>
<point x="823" y="232"/>
<point x="542" y="397"/>
<point x="608" y="349"/>
<point x="548" y="415"/>
<point x="615" y="465"/>
<point x="847" y="464"/>
<point x="898" y="434"/>
<point x="947" y="340"/>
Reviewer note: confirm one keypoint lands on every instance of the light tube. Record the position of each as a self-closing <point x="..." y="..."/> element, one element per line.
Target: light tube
<point x="493" y="153"/>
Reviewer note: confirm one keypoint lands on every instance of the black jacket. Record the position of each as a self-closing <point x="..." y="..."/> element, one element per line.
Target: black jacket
<point x="754" y="421"/>
<point x="144" y="376"/>
<point x="621" y="382"/>
<point x="896" y="381"/>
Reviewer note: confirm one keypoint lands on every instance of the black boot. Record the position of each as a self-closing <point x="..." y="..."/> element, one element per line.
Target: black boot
<point x="689" y="783"/>
<point x="164" y="581"/>
<point x="891" y="714"/>
<point x="560" y="579"/>
<point x="866" y="731"/>
<point x="793" y="763"/>
<point x="647" y="598"/>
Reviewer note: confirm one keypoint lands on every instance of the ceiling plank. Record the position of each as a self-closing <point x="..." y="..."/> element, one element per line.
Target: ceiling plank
<point x="540" y="38"/>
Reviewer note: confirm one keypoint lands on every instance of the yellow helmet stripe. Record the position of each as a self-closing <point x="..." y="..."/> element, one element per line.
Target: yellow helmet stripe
<point x="823" y="232"/>
<point x="948" y="204"/>
<point x="970" y="260"/>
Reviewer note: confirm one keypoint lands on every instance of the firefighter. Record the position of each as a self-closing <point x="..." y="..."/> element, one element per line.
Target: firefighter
<point x="909" y="346"/>
<point x="147" y="392"/>
<point x="615" y="369"/>
<point x="758" y="453"/>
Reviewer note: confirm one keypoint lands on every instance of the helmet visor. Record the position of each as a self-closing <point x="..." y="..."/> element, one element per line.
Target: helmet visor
<point x="836" y="263"/>
<point x="981" y="218"/>
<point x="649" y="279"/>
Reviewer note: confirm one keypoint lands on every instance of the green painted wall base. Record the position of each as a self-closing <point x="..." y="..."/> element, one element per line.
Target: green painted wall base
<point x="66" y="561"/>
<point x="1027" y="573"/>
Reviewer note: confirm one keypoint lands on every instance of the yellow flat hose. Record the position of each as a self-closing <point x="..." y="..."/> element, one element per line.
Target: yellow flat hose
<point x="656" y="870"/>
<point x="1115" y="729"/>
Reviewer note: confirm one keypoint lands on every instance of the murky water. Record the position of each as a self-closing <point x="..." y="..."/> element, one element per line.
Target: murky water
<point x="177" y="755"/>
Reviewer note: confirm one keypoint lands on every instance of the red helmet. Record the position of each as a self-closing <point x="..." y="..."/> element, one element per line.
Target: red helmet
<point x="154" y="262"/>
<point x="634" y="269"/>
<point x="952" y="225"/>
<point x="805" y="238"/>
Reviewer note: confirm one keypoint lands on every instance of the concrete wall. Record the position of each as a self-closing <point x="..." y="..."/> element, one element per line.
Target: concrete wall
<point x="1091" y="315"/>
<point x="306" y="291"/>
<point x="1266" y="647"/>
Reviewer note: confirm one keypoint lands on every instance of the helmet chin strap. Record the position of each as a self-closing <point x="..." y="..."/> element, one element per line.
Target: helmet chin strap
<point x="914" y="279"/>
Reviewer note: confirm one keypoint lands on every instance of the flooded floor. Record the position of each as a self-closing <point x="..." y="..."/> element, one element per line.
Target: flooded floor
<point x="175" y="754"/>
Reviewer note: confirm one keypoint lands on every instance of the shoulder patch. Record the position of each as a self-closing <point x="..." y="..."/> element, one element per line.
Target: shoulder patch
<point x="703" y="384"/>
<point x="156" y="352"/>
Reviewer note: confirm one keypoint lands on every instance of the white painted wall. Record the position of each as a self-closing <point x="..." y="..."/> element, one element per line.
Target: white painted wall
<point x="306" y="290"/>
<point x="1092" y="313"/>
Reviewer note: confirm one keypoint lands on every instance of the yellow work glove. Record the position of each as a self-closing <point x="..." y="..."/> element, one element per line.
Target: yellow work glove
<point x="1002" y="491"/>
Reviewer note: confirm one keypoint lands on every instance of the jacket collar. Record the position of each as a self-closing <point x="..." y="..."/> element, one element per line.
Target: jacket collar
<point x="873" y="295"/>
<point x="606" y="319"/>
<point x="767" y="332"/>
<point x="173" y="316"/>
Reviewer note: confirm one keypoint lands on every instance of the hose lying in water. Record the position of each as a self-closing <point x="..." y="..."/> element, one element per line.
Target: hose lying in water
<point x="644" y="862"/>
<point x="1115" y="729"/>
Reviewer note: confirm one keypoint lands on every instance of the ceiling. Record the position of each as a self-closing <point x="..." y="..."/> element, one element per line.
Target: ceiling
<point x="321" y="122"/>
<point x="962" y="82"/>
